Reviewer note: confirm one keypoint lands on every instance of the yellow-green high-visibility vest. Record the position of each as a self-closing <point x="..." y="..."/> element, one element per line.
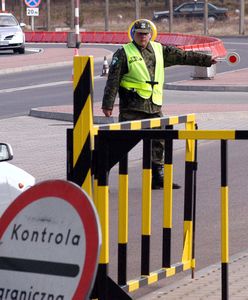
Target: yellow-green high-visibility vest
<point x="138" y="75"/>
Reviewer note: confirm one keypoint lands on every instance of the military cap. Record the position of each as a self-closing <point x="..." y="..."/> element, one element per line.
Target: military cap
<point x="142" y="26"/>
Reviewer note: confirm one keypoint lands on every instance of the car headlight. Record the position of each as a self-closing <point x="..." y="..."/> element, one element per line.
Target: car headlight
<point x="18" y="37"/>
<point x="19" y="34"/>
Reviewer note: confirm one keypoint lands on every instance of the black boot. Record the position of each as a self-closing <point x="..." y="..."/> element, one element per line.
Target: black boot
<point x="158" y="178"/>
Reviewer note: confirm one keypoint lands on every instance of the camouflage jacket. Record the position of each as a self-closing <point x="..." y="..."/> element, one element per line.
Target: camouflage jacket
<point x="130" y="100"/>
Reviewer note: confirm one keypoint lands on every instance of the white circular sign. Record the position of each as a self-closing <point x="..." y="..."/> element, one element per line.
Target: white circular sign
<point x="49" y="244"/>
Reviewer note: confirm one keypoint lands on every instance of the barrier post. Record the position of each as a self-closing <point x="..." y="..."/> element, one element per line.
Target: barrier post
<point x="123" y="221"/>
<point x="83" y="122"/>
<point x="146" y="208"/>
<point x="188" y="199"/>
<point x="103" y="212"/>
<point x="168" y="197"/>
<point x="69" y="154"/>
<point x="194" y="207"/>
<point x="224" y="221"/>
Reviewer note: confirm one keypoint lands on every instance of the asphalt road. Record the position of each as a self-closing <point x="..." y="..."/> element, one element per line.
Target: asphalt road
<point x="53" y="86"/>
<point x="40" y="148"/>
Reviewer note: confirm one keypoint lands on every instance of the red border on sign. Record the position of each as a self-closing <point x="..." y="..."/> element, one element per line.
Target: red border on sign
<point x="73" y="194"/>
<point x="32" y="6"/>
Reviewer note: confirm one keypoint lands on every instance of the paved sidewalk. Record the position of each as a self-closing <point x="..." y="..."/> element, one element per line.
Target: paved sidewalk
<point x="207" y="282"/>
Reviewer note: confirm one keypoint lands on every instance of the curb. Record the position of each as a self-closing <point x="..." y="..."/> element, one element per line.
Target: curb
<point x="67" y="117"/>
<point x="180" y="86"/>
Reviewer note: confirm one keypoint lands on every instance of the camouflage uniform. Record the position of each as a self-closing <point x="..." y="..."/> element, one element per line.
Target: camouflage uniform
<point x="131" y="105"/>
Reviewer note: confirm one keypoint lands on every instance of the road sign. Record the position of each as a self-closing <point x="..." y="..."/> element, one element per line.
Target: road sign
<point x="32" y="3"/>
<point x="49" y="243"/>
<point x="233" y="58"/>
<point x="33" y="11"/>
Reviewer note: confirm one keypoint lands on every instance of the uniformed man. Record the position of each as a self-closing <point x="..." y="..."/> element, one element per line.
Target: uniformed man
<point x="137" y="73"/>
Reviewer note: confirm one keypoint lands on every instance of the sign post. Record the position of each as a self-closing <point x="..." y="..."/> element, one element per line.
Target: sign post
<point x="32" y="10"/>
<point x="49" y="243"/>
<point x="3" y="5"/>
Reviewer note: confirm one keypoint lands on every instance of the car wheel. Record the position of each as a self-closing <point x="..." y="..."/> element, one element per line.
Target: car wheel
<point x="20" y="50"/>
<point x="211" y="19"/>
<point x="165" y="20"/>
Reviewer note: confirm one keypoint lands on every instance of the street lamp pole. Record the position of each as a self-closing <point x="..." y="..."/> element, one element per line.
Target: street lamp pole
<point x="106" y="15"/>
<point x="77" y="37"/>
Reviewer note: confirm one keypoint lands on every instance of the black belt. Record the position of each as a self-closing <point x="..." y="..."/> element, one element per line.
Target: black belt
<point x="152" y="83"/>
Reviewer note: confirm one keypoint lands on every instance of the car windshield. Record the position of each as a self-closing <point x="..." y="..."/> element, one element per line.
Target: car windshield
<point x="7" y="21"/>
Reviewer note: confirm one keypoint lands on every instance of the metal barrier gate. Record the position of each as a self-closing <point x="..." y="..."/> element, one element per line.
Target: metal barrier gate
<point x="107" y="138"/>
<point x="86" y="156"/>
<point x="97" y="158"/>
<point x="110" y="150"/>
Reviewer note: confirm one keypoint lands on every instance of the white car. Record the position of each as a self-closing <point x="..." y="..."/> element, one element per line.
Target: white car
<point x="11" y="34"/>
<point x="13" y="180"/>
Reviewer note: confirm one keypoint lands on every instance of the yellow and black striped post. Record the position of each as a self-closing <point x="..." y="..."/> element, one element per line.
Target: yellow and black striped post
<point x="167" y="211"/>
<point x="101" y="288"/>
<point x="123" y="221"/>
<point x="194" y="207"/>
<point x="146" y="208"/>
<point x="224" y="221"/>
<point x="83" y="122"/>
<point x="188" y="199"/>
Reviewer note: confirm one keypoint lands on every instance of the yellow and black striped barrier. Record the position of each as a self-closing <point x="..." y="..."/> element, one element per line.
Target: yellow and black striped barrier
<point x="94" y="150"/>
<point x="111" y="150"/>
<point x="107" y="137"/>
<point x="81" y="139"/>
<point x="85" y="159"/>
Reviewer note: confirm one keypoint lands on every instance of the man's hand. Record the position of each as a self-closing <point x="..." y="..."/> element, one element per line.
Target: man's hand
<point x="214" y="61"/>
<point x="107" y="112"/>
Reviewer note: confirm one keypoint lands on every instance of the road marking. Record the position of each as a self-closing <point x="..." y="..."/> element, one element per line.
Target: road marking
<point x="35" y="50"/>
<point x="233" y="43"/>
<point x="37" y="86"/>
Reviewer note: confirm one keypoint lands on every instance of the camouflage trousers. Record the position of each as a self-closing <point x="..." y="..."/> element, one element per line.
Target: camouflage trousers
<point x="157" y="145"/>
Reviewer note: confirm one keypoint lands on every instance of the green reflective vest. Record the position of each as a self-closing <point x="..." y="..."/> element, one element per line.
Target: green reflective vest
<point x="138" y="76"/>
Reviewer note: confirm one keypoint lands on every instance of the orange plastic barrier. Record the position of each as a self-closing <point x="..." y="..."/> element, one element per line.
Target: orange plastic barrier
<point x="183" y="41"/>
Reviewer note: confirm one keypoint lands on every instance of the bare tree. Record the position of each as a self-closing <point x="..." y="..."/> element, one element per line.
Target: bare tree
<point x="171" y="15"/>
<point x="137" y="9"/>
<point x="22" y="11"/>
<point x="106" y="15"/>
<point x="242" y="17"/>
<point x="72" y="25"/>
<point x="48" y="18"/>
<point x="206" y="17"/>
